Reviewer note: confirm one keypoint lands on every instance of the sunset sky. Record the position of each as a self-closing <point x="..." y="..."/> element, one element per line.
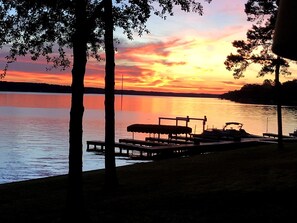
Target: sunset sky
<point x="184" y="53"/>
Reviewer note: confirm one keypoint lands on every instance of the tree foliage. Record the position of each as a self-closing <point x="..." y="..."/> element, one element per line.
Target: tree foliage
<point x="256" y="49"/>
<point x="46" y="28"/>
<point x="264" y="94"/>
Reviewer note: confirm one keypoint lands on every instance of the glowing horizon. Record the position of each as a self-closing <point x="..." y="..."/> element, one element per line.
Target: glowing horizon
<point x="185" y="53"/>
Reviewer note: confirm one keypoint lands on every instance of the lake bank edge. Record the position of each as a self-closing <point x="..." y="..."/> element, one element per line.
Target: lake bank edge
<point x="221" y="177"/>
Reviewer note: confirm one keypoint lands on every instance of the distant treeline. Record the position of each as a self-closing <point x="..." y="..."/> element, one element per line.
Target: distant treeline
<point x="33" y="87"/>
<point x="264" y="94"/>
<point x="52" y="88"/>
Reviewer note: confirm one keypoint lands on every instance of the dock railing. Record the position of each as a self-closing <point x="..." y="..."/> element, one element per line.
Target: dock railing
<point x="186" y="119"/>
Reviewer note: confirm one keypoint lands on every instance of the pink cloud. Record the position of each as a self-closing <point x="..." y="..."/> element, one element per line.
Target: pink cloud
<point x="157" y="64"/>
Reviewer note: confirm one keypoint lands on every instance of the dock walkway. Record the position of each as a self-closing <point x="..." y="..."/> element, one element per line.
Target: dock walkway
<point x="168" y="141"/>
<point x="142" y="149"/>
<point x="141" y="142"/>
<point x="168" y="150"/>
<point x="273" y="135"/>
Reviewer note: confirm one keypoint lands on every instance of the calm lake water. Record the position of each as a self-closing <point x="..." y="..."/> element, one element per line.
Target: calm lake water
<point x="34" y="127"/>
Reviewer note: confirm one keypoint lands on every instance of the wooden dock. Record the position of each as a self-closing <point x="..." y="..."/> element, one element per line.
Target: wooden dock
<point x="138" y="148"/>
<point x="273" y="135"/>
<point x="179" y="141"/>
<point x="168" y="141"/>
<point x="145" y="150"/>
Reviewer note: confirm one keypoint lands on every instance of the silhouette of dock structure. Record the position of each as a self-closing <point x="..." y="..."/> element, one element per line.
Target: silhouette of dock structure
<point x="145" y="150"/>
<point x="179" y="141"/>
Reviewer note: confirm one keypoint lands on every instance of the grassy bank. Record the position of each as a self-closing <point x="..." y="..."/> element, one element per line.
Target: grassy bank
<point x="255" y="184"/>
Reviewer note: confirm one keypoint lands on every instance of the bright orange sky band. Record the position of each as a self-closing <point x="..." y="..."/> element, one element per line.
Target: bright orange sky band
<point x="184" y="53"/>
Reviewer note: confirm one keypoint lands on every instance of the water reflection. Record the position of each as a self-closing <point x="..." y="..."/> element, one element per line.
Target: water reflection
<point x="34" y="127"/>
<point x="28" y="100"/>
<point x="147" y="109"/>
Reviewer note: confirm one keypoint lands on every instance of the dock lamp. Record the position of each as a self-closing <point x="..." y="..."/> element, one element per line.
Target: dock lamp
<point x="285" y="33"/>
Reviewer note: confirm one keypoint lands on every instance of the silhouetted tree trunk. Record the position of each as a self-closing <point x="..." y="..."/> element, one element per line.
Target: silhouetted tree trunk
<point x="110" y="166"/>
<point x="279" y="104"/>
<point x="75" y="201"/>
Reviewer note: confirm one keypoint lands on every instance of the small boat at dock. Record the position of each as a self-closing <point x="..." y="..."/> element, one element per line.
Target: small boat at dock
<point x="231" y="131"/>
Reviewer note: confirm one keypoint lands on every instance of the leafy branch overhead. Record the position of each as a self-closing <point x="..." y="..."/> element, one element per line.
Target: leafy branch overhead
<point x="46" y="28"/>
<point x="256" y="49"/>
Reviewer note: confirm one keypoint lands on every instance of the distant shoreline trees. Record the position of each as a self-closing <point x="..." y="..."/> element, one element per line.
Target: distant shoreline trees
<point x="264" y="94"/>
<point x="54" y="88"/>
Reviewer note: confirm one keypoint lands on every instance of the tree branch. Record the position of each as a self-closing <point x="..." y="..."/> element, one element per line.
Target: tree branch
<point x="97" y="14"/>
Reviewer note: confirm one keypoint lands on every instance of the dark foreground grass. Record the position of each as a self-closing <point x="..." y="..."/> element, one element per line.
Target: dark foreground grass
<point x="257" y="184"/>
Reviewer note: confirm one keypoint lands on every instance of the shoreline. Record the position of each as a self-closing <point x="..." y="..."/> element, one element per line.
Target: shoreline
<point x="25" y="87"/>
<point x="128" y="163"/>
<point x="255" y="184"/>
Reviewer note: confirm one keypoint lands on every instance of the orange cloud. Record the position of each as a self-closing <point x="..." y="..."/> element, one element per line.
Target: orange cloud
<point x="190" y="65"/>
<point x="180" y="65"/>
<point x="185" y="53"/>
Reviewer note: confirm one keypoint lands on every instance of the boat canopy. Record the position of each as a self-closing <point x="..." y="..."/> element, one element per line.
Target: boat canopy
<point x="159" y="129"/>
